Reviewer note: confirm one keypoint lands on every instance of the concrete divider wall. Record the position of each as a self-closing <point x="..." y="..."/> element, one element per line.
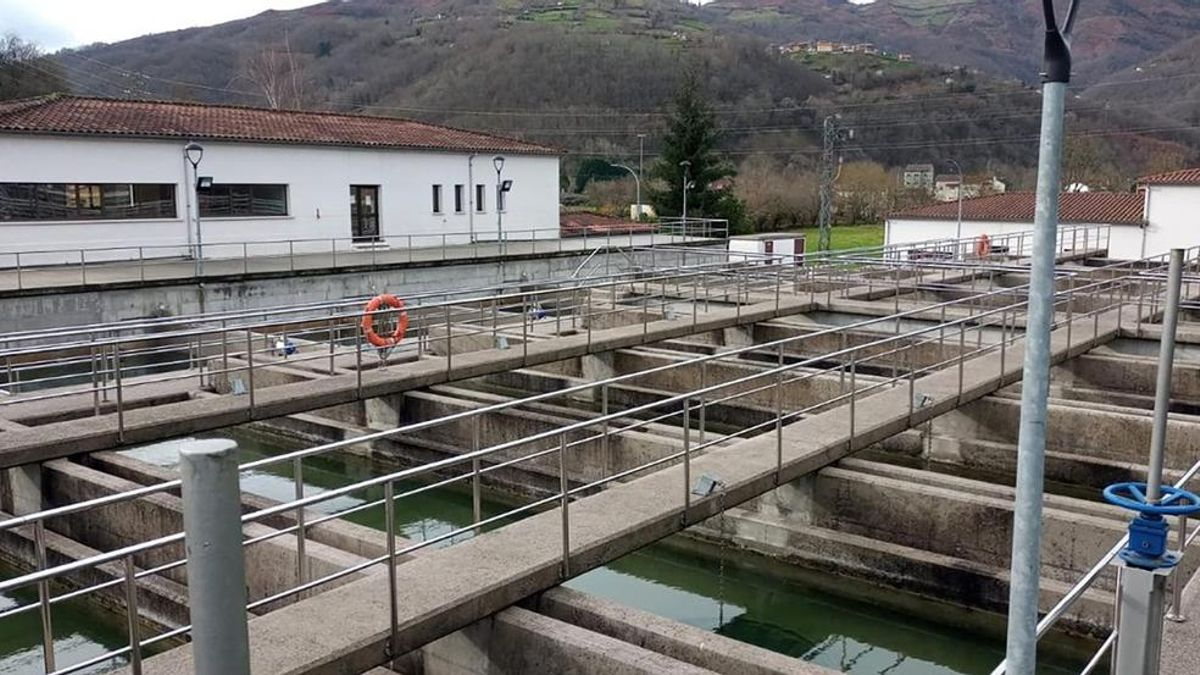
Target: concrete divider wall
<point x="270" y="565"/>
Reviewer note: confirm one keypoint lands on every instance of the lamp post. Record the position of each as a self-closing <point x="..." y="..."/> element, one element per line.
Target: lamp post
<point x="641" y="157"/>
<point x="958" y="232"/>
<point x="498" y="162"/>
<point x="686" y="183"/>
<point x="637" y="181"/>
<point x="193" y="152"/>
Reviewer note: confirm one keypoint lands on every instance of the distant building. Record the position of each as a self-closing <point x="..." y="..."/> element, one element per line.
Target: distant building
<point x="945" y="188"/>
<point x="111" y="173"/>
<point x="918" y="177"/>
<point x="1159" y="216"/>
<point x="904" y="57"/>
<point x="824" y="47"/>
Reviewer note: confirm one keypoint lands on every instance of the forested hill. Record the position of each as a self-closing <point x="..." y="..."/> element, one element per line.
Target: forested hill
<point x="589" y="75"/>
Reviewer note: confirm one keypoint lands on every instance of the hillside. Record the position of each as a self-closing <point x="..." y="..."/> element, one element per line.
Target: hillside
<point x="1170" y="80"/>
<point x="590" y="75"/>
<point x="999" y="36"/>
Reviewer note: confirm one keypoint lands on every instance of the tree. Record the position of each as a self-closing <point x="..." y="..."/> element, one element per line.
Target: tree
<point x="275" y="72"/>
<point x="25" y="71"/>
<point x="691" y="137"/>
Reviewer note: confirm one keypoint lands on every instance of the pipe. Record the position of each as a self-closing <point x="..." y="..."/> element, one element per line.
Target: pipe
<point x="1031" y="446"/>
<point x="216" y="569"/>
<point x="471" y="195"/>
<point x="1162" y="390"/>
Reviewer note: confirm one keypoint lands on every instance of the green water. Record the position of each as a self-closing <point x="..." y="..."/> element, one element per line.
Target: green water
<point x="81" y="632"/>
<point x="834" y="622"/>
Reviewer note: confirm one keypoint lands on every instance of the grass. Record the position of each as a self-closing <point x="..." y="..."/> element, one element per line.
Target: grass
<point x="846" y="236"/>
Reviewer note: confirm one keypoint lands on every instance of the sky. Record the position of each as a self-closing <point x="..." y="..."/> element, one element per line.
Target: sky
<point x="54" y="24"/>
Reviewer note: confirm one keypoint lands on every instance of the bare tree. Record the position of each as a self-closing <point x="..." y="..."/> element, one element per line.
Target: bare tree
<point x="25" y="71"/>
<point x="275" y="72"/>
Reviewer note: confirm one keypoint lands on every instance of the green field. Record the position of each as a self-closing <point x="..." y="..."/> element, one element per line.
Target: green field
<point x="846" y="236"/>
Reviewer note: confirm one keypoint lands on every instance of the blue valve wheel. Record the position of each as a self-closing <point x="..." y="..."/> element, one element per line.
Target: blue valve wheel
<point x="1132" y="496"/>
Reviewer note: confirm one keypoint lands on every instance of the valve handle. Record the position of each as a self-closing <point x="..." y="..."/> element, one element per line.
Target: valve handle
<point x="1132" y="496"/>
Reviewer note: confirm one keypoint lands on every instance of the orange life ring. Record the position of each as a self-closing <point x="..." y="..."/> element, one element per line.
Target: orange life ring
<point x="368" y="320"/>
<point x="983" y="246"/>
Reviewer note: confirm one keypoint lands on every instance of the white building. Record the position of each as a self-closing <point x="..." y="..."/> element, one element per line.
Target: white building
<point x="89" y="173"/>
<point x="945" y="188"/>
<point x="1159" y="216"/>
<point x="1013" y="212"/>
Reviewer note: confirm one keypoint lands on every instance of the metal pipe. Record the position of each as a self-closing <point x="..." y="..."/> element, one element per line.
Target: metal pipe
<point x="1021" y="646"/>
<point x="216" y="572"/>
<point x="1162" y="390"/>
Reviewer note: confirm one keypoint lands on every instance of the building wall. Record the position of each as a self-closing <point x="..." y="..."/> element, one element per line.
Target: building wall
<point x="1172" y="212"/>
<point x="1124" y="241"/>
<point x="318" y="180"/>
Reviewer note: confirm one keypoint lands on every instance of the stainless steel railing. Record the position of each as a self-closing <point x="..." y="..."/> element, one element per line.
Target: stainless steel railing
<point x="1111" y="293"/>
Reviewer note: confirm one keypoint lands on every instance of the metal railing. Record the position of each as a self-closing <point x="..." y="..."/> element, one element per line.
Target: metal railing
<point x="995" y="328"/>
<point x="34" y="268"/>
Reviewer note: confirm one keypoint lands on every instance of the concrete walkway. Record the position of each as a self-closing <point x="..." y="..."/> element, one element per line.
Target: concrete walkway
<point x="1181" y="641"/>
<point x="159" y="270"/>
<point x="346" y="629"/>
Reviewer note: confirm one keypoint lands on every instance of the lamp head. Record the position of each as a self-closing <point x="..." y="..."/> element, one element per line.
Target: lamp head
<point x="498" y="162"/>
<point x="194" y="152"/>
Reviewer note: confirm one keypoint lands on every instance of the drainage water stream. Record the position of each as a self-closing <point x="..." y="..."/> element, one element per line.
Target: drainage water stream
<point x="835" y="622"/>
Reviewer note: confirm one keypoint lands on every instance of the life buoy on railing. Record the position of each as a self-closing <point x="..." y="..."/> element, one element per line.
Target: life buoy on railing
<point x="377" y="303"/>
<point x="983" y="246"/>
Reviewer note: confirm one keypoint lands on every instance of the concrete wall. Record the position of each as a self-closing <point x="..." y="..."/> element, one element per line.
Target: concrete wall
<point x="318" y="180"/>
<point x="1171" y="210"/>
<point x="45" y="310"/>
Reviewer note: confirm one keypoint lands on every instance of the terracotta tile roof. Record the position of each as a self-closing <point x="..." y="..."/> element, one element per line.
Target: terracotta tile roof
<point x="1181" y="177"/>
<point x="579" y="223"/>
<point x="1125" y="208"/>
<point x="76" y="115"/>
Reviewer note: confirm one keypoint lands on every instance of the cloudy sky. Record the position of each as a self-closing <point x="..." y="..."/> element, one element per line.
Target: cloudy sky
<point x="67" y="23"/>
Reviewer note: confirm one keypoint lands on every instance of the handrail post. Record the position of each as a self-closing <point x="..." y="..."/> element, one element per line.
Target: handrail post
<point x="476" y="487"/>
<point x="301" y="556"/>
<point x="43" y="587"/>
<point x="120" y="390"/>
<point x="565" y="500"/>
<point x="216" y="569"/>
<point x="687" y="460"/>
<point x="389" y="522"/>
<point x="250" y="369"/>
<point x="131" y="617"/>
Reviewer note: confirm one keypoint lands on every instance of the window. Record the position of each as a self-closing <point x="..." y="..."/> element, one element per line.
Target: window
<point x="437" y="198"/>
<point x="459" y="193"/>
<point x="86" y="201"/>
<point x="232" y="200"/>
<point x="480" y="193"/>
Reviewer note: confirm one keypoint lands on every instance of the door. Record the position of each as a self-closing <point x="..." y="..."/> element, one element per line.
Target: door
<point x="364" y="212"/>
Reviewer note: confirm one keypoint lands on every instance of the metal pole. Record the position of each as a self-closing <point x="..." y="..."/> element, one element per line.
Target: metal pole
<point x="43" y="587"/>
<point x="1162" y="391"/>
<point x="131" y="617"/>
<point x="1021" y="648"/>
<point x="389" y="522"/>
<point x="216" y="570"/>
<point x="565" y="498"/>
<point x="641" y="157"/>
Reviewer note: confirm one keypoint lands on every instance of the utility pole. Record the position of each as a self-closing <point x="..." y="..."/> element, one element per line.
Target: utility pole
<point x="833" y="134"/>
<point x="1021" y="651"/>
<point x="958" y="231"/>
<point x="641" y="158"/>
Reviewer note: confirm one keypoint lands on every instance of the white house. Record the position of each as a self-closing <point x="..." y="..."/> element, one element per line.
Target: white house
<point x="81" y="172"/>
<point x="1172" y="210"/>
<point x="1013" y="212"/>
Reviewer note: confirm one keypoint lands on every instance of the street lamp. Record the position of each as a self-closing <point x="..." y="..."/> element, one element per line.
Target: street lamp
<point x="193" y="152"/>
<point x="637" y="182"/>
<point x="498" y="162"/>
<point x="958" y="232"/>
<point x="641" y="156"/>
<point x="686" y="184"/>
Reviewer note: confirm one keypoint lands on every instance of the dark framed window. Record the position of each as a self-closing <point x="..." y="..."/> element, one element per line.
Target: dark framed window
<point x="232" y="200"/>
<point x="459" y="194"/>
<point x="480" y="201"/>
<point x="86" y="201"/>
<point x="437" y="198"/>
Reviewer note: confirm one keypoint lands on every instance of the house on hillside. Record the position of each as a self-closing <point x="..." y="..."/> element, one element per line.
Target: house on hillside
<point x="1144" y="223"/>
<point x="112" y="173"/>
<point x="918" y="177"/>
<point x="824" y="47"/>
<point x="945" y="188"/>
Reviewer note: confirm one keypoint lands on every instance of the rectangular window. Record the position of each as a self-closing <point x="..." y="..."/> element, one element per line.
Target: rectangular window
<point x="86" y="201"/>
<point x="437" y="198"/>
<point x="480" y="194"/>
<point x="233" y="200"/>
<point x="459" y="193"/>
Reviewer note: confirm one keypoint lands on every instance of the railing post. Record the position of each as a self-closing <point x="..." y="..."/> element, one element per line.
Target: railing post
<point x="1177" y="579"/>
<point x="565" y="500"/>
<point x="216" y="572"/>
<point x="82" y="267"/>
<point x="301" y="557"/>
<point x="250" y="369"/>
<point x="853" y="392"/>
<point x="389" y="522"/>
<point x="120" y="390"/>
<point x="687" y="461"/>
<point x="142" y="263"/>
<point x="131" y="616"/>
<point x="43" y="587"/>
<point x="476" y="486"/>
<point x="246" y="259"/>
<point x="703" y="405"/>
